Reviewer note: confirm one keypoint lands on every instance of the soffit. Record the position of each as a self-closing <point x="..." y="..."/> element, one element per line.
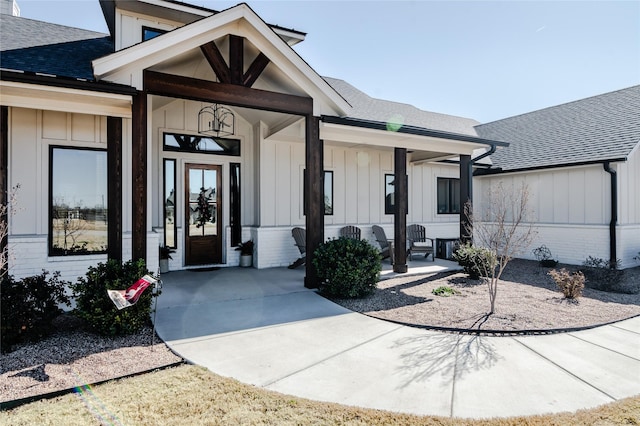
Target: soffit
<point x="52" y="98"/>
<point x="424" y="148"/>
<point x="177" y="12"/>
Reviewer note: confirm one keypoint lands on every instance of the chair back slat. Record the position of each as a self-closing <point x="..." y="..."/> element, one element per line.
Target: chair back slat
<point x="416" y="233"/>
<point x="381" y="236"/>
<point x="350" y="232"/>
<point x="300" y="237"/>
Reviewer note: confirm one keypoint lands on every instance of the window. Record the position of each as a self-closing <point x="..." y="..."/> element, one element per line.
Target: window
<point x="448" y="196"/>
<point x="235" y="214"/>
<point x="328" y="193"/>
<point x="390" y="194"/>
<point x="201" y="144"/>
<point x="170" y="204"/>
<point x="148" y="33"/>
<point x="77" y="201"/>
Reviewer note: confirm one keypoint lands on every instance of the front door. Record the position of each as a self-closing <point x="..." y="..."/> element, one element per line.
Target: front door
<point x="203" y="216"/>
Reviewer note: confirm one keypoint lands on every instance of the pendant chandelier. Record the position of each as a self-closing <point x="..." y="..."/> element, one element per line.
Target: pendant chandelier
<point x="216" y="120"/>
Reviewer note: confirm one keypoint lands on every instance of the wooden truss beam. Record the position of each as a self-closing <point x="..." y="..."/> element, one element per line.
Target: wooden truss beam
<point x="255" y="69"/>
<point x="234" y="72"/>
<point x="207" y="91"/>
<point x="236" y="58"/>
<point x="215" y="59"/>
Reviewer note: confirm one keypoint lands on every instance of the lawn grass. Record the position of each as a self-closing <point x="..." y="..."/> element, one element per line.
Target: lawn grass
<point x="191" y="395"/>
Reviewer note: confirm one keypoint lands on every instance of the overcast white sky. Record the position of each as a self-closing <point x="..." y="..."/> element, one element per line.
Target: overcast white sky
<point x="479" y="59"/>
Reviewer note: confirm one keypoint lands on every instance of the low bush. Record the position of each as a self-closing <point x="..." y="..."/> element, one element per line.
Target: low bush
<point x="444" y="291"/>
<point x="571" y="285"/>
<point x="96" y="308"/>
<point x="28" y="306"/>
<point x="603" y="275"/>
<point x="347" y="268"/>
<point x="476" y="261"/>
<point x="544" y="256"/>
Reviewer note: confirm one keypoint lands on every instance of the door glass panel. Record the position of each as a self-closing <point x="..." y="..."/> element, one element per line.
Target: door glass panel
<point x="202" y="202"/>
<point x="209" y="184"/>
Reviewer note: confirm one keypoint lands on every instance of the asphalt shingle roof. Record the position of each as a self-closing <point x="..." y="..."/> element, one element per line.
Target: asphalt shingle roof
<point x="35" y="46"/>
<point x="372" y="109"/>
<point x="599" y="128"/>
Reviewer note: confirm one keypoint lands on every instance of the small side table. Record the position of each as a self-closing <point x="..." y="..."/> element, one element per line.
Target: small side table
<point x="445" y="247"/>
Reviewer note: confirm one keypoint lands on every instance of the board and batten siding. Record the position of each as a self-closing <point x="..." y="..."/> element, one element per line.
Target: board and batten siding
<point x="31" y="133"/>
<point x="629" y="210"/>
<point x="358" y="195"/>
<point x="572" y="210"/>
<point x="181" y="117"/>
<point x="358" y="186"/>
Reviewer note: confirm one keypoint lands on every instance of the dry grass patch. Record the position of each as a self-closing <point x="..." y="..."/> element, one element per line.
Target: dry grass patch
<point x="194" y="396"/>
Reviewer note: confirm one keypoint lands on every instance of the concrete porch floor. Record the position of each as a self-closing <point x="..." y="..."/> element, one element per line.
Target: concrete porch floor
<point x="264" y="328"/>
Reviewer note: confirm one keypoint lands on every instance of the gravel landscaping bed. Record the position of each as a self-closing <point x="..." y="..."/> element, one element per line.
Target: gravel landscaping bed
<point x="527" y="300"/>
<point x="74" y="357"/>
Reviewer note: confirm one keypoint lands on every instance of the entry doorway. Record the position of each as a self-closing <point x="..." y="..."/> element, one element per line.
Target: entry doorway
<point x="203" y="214"/>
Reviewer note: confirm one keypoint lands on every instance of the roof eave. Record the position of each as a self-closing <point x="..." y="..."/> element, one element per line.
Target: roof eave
<point x="411" y="130"/>
<point x="66" y="82"/>
<point x="499" y="170"/>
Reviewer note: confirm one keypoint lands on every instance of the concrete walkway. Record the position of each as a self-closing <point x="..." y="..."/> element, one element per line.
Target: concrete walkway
<point x="264" y="328"/>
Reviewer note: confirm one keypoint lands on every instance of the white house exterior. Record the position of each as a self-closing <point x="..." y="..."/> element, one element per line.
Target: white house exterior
<point x="105" y="129"/>
<point x="581" y="161"/>
<point x="126" y="111"/>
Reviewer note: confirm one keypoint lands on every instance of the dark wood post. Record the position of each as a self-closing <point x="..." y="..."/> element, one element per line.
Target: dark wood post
<point x="114" y="191"/>
<point x="466" y="196"/>
<point x="4" y="185"/>
<point x="314" y="190"/>
<point x="401" y="192"/>
<point x="139" y="176"/>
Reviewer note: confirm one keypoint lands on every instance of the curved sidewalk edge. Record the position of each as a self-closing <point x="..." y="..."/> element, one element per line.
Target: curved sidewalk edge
<point x="301" y="344"/>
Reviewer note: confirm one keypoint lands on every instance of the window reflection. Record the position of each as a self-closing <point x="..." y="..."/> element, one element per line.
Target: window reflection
<point x="202" y="202"/>
<point x="78" y="201"/>
<point x="170" y="203"/>
<point x="201" y="144"/>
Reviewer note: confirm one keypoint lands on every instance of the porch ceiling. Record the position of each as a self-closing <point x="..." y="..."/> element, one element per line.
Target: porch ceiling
<point x="274" y="120"/>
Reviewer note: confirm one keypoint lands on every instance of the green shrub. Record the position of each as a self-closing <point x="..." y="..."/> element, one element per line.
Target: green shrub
<point x="476" y="261"/>
<point x="603" y="275"/>
<point x="444" y="291"/>
<point x="28" y="306"/>
<point x="347" y="268"/>
<point x="571" y="285"/>
<point x="95" y="306"/>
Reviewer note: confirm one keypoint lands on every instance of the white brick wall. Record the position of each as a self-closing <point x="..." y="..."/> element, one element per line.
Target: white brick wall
<point x="571" y="244"/>
<point x="28" y="257"/>
<point x="629" y="245"/>
<point x="275" y="245"/>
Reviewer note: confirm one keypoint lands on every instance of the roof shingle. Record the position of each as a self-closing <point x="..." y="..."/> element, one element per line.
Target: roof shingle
<point x="42" y="47"/>
<point x="599" y="128"/>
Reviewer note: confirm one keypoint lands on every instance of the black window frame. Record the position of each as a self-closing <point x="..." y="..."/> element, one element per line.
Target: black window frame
<point x="390" y="207"/>
<point x="327" y="211"/>
<point x="235" y="153"/>
<point x="146" y="30"/>
<point x="235" y="211"/>
<point x="164" y="201"/>
<point x="451" y="201"/>
<point x="50" y="247"/>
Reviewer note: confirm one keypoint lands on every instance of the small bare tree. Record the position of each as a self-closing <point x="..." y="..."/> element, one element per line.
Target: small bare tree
<point x="505" y="227"/>
<point x="6" y="209"/>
